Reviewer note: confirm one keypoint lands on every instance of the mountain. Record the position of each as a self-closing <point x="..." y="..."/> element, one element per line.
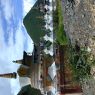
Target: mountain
<point x="34" y="22"/>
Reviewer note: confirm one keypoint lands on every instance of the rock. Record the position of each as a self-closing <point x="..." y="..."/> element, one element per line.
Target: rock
<point x="79" y="21"/>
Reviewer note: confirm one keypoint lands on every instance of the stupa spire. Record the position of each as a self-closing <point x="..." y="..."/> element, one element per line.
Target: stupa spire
<point x="18" y="61"/>
<point x="9" y="75"/>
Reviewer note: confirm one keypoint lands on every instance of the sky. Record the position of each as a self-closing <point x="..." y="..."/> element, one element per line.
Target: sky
<point x="13" y="40"/>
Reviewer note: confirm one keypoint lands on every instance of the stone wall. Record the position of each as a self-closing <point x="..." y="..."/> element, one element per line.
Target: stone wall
<point x="79" y="21"/>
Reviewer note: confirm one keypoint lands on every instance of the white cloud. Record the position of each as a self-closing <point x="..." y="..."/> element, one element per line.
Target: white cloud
<point x="1" y="33"/>
<point x="19" y="41"/>
<point x="7" y="8"/>
<point x="27" y="4"/>
<point x="11" y="52"/>
<point x="30" y="44"/>
<point x="15" y="86"/>
<point x="5" y="89"/>
<point x="14" y="52"/>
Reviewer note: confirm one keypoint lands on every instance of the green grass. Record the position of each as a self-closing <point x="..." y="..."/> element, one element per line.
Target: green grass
<point x="80" y="69"/>
<point x="61" y="36"/>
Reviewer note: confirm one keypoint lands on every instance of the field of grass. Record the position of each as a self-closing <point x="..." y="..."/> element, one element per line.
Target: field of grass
<point x="59" y="28"/>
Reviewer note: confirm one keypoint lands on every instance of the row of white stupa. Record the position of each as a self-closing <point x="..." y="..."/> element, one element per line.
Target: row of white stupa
<point x="48" y="17"/>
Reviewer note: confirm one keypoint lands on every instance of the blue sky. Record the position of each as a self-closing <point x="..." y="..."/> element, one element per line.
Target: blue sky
<point x="13" y="40"/>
